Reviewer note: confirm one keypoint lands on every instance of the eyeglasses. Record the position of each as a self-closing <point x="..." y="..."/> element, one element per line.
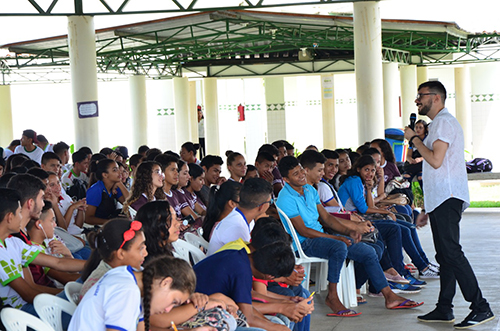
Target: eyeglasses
<point x="158" y="172"/>
<point x="130" y="234"/>
<point x="420" y="95"/>
<point x="270" y="202"/>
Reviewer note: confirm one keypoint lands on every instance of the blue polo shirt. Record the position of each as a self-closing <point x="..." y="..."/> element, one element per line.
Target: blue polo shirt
<point x="305" y="205"/>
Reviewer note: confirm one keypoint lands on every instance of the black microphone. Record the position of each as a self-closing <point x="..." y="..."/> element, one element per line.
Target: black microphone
<point x="413" y="118"/>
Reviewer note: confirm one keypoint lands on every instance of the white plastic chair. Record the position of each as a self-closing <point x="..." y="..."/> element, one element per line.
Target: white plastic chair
<point x="184" y="250"/>
<point x="346" y="287"/>
<point x="18" y="320"/>
<point x="50" y="309"/>
<point x="72" y="291"/>
<point x="196" y="240"/>
<point x="132" y="212"/>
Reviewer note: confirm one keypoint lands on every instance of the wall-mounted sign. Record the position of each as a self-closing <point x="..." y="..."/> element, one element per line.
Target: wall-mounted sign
<point x="87" y="109"/>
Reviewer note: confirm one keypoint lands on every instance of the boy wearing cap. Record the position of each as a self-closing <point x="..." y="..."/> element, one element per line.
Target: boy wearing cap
<point x="28" y="147"/>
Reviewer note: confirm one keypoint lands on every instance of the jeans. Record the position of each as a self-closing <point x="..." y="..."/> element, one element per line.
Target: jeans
<point x="335" y="251"/>
<point x="292" y="291"/>
<point x="367" y="266"/>
<point x="413" y="247"/>
<point x="454" y="266"/>
<point x="243" y="328"/>
<point x="390" y="234"/>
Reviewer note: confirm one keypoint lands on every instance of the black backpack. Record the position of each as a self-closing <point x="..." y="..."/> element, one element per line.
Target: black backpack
<point x="478" y="165"/>
<point x="78" y="190"/>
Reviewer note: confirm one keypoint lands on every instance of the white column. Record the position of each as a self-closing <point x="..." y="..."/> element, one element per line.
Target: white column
<point x="422" y="75"/>
<point x="328" y="112"/>
<point x="181" y="105"/>
<point x="193" y="113"/>
<point x="463" y="104"/>
<point x="392" y="92"/>
<point x="408" y="91"/>
<point x="368" y="64"/>
<point x="82" y="58"/>
<point x="138" y="106"/>
<point x="275" y="108"/>
<point x="6" y="130"/>
<point x="211" y="116"/>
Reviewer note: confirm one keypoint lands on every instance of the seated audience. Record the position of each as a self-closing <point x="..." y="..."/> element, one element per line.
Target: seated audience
<point x="75" y="181"/>
<point x="183" y="196"/>
<point x="252" y="172"/>
<point x="413" y="164"/>
<point x="236" y="165"/>
<point x="170" y="179"/>
<point x="10" y="149"/>
<point x="344" y="166"/>
<point x="277" y="179"/>
<point x="212" y="165"/>
<point x="28" y="146"/>
<point x="61" y="149"/>
<point x="188" y="152"/>
<point x="43" y="143"/>
<point x="193" y="187"/>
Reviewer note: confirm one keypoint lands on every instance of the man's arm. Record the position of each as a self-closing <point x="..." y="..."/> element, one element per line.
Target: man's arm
<point x="304" y="231"/>
<point x="434" y="156"/>
<point x="256" y="319"/>
<point x="61" y="264"/>
<point x="346" y="227"/>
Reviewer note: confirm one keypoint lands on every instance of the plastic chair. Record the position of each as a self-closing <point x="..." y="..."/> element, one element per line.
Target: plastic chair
<point x="18" y="320"/>
<point x="132" y="212"/>
<point x="72" y="291"/>
<point x="50" y="309"/>
<point x="346" y="287"/>
<point x="196" y="241"/>
<point x="186" y="251"/>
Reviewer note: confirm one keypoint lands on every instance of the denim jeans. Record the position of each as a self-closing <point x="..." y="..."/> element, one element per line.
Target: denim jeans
<point x="367" y="266"/>
<point x="243" y="328"/>
<point x="390" y="234"/>
<point x="412" y="246"/>
<point x="335" y="251"/>
<point x="292" y="291"/>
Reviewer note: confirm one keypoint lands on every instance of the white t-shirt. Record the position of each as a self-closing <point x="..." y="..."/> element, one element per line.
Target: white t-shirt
<point x="35" y="155"/>
<point x="113" y="302"/>
<point x="231" y="228"/>
<point x="14" y="255"/>
<point x="326" y="194"/>
<point x="6" y="153"/>
<point x="68" y="177"/>
<point x="450" y="179"/>
<point x="64" y="205"/>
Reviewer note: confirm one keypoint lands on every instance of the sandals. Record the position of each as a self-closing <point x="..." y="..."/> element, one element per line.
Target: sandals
<point x="403" y="305"/>
<point x="344" y="313"/>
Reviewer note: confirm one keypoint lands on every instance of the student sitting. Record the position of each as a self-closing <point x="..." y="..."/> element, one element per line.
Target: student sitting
<point x="255" y="199"/>
<point x="61" y="149"/>
<point x="75" y="181"/>
<point x="183" y="196"/>
<point x="252" y="172"/>
<point x="264" y="163"/>
<point x="188" y="152"/>
<point x="413" y="164"/>
<point x="344" y="166"/>
<point x="51" y="162"/>
<point x="148" y="186"/>
<point x="102" y="197"/>
<point x="7" y="152"/>
<point x="223" y="201"/>
<point x="165" y="282"/>
<point x="236" y="165"/>
<point x="28" y="146"/>
<point x="196" y="182"/>
<point x="212" y="165"/>
<point x="171" y="179"/>
<point x="326" y="191"/>
<point x="18" y="289"/>
<point x="277" y="182"/>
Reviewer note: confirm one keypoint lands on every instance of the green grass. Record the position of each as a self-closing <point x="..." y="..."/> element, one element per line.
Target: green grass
<point x="485" y="204"/>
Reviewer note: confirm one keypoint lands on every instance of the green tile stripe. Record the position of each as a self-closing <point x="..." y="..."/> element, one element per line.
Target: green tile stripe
<point x="165" y="112"/>
<point x="275" y="106"/>
<point x="234" y="107"/>
<point x="484" y="97"/>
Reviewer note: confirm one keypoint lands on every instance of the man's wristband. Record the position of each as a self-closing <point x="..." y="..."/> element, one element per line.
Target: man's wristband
<point x="410" y="142"/>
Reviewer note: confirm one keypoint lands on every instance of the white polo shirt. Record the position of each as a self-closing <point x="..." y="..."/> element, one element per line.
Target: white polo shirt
<point x="450" y="179"/>
<point x="232" y="227"/>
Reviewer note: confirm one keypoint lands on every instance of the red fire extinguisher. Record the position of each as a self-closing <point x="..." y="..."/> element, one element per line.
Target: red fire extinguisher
<point x="241" y="113"/>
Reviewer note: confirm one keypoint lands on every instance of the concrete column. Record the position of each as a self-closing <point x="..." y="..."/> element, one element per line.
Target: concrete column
<point x="463" y="104"/>
<point x="138" y="106"/>
<point x="392" y="92"/>
<point x="82" y="58"/>
<point x="422" y="75"/>
<point x="368" y="64"/>
<point x="193" y="113"/>
<point x="211" y="116"/>
<point x="275" y="106"/>
<point x="328" y="112"/>
<point x="6" y="130"/>
<point x="181" y="105"/>
<point x="408" y="91"/>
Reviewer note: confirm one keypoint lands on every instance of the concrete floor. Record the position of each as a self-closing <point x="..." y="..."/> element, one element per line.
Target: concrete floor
<point x="480" y="231"/>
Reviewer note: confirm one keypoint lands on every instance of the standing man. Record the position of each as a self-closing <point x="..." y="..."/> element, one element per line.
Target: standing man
<point x="446" y="197"/>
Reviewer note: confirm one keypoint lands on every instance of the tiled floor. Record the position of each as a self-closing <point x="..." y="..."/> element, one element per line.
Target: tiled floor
<point x="480" y="229"/>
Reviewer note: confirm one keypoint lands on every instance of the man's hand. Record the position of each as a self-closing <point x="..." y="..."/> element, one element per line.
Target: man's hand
<point x="422" y="220"/>
<point x="295" y="311"/>
<point x="308" y="303"/>
<point x="409" y="133"/>
<point x="57" y="247"/>
<point x="297" y="276"/>
<point x="267" y="175"/>
<point x="221" y="180"/>
<point x="343" y="239"/>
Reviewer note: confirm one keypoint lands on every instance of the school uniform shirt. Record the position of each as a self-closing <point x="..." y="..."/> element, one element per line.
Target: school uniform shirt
<point x="182" y="199"/>
<point x="64" y="203"/>
<point x="232" y="227"/>
<point x="95" y="195"/>
<point x="174" y="203"/>
<point x="326" y="194"/>
<point x="113" y="302"/>
<point x="68" y="178"/>
<point x="14" y="255"/>
<point x="227" y="272"/>
<point x="35" y="155"/>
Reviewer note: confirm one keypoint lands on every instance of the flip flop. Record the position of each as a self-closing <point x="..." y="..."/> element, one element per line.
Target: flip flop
<point x="361" y="300"/>
<point x="344" y="313"/>
<point x="403" y="305"/>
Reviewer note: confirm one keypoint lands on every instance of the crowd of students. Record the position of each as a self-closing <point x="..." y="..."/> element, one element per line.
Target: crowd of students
<point x="108" y="220"/>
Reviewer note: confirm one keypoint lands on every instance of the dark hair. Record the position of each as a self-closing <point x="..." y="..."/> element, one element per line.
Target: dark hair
<point x="229" y="190"/>
<point x="27" y="185"/>
<point x="424" y="123"/>
<point x="9" y="202"/>
<point x="39" y="172"/>
<point x="435" y="87"/>
<point x="102" y="167"/>
<point x="152" y="153"/>
<point x="5" y="179"/>
<point x="183" y="279"/>
<point x="86" y="150"/>
<point x="342" y="151"/>
<point x="60" y="147"/>
<point x="105" y="241"/>
<point x="360" y="150"/>
<point x="190" y="147"/>
<point x="286" y="164"/>
<point x="143" y="183"/>
<point x="78" y="156"/>
<point x="15" y="142"/>
<point x="329" y="154"/>
<point x="271" y="149"/>
<point x="371" y="151"/>
<point x="2" y="160"/>
<point x="231" y="156"/>
<point x="268" y="230"/>
<point x="360" y="163"/>
<point x="310" y="158"/>
<point x="209" y="161"/>
<point x="276" y="259"/>
<point x="46" y="207"/>
<point x="16" y="160"/>
<point x="97" y="157"/>
<point x="251" y="167"/>
<point x="354" y="156"/>
<point x="28" y="164"/>
<point x="195" y="170"/>
<point x="47" y="156"/>
<point x="165" y="160"/>
<point x="386" y="149"/>
<point x="106" y="151"/>
<point x="156" y="219"/>
<point x="278" y="144"/>
<point x="19" y="170"/>
<point x="135" y="160"/>
<point x="254" y="192"/>
<point x="41" y="138"/>
<point x="264" y="156"/>
<point x="288" y="146"/>
<point x="31" y="135"/>
<point x="142" y="149"/>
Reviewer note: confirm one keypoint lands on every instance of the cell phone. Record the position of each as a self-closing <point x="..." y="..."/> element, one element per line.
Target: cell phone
<point x="188" y="220"/>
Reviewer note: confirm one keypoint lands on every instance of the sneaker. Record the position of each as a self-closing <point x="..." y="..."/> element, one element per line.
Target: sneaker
<point x="475" y="318"/>
<point x="396" y="279"/>
<point x="429" y="273"/>
<point x="404" y="288"/>
<point x="437" y="317"/>
<point x="415" y="282"/>
<point x="434" y="267"/>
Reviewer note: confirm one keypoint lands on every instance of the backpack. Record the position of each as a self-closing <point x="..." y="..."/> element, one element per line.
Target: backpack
<point x="78" y="190"/>
<point x="478" y="165"/>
